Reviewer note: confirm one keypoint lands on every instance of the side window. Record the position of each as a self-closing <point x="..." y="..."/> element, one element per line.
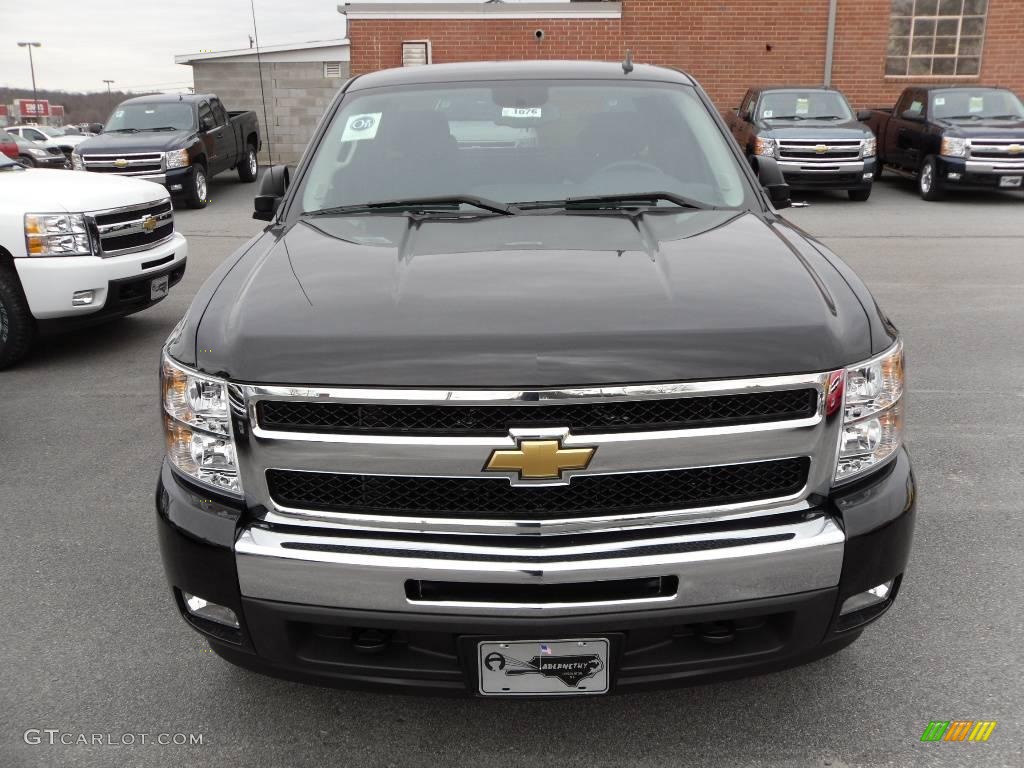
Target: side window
<point x="219" y="112"/>
<point x="917" y="104"/>
<point x="206" y="121"/>
<point x="747" y="108"/>
<point x="34" y="135"/>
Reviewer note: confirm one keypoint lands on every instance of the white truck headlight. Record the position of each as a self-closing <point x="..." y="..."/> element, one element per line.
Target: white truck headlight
<point x="77" y="164"/>
<point x="953" y="147"/>
<point x="765" y="147"/>
<point x="870" y="147"/>
<point x="56" y="234"/>
<point x="197" y="424"/>
<point x="872" y="428"/>
<point x="176" y="159"/>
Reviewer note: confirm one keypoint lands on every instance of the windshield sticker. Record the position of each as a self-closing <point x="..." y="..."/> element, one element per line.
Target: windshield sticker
<point x="119" y="113"/>
<point x="940" y="101"/>
<point x="803" y="106"/>
<point x="531" y="113"/>
<point x="976" y="104"/>
<point x="769" y="113"/>
<point x="362" y="127"/>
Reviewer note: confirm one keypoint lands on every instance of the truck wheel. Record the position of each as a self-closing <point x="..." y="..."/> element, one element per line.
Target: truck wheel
<point x="197" y="190"/>
<point x="249" y="166"/>
<point x="17" y="326"/>
<point x="859" y="195"/>
<point x="928" y="182"/>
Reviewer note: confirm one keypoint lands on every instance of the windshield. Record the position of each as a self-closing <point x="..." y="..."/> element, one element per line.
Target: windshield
<point x="975" y="103"/>
<point x="523" y="141"/>
<point x="176" y="115"/>
<point x="50" y="132"/>
<point x="804" y="105"/>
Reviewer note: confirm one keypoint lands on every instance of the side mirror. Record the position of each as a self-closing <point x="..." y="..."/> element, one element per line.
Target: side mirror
<point x="908" y="114"/>
<point x="273" y="187"/>
<point x="864" y="115"/>
<point x="773" y="182"/>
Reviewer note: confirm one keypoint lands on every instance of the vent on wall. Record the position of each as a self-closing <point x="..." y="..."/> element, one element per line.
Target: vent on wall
<point x="415" y="53"/>
<point x="332" y="69"/>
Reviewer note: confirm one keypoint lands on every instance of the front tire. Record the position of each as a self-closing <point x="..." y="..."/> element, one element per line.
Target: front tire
<point x="249" y="167"/>
<point x="28" y="161"/>
<point x="17" y="326"/>
<point x="859" y="195"/>
<point x="197" y="189"/>
<point x="929" y="184"/>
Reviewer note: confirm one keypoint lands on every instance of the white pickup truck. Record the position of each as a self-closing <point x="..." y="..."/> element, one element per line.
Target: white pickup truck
<point x="77" y="249"/>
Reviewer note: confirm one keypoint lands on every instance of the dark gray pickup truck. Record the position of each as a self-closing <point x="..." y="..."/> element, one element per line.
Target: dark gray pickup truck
<point x="573" y="414"/>
<point x="179" y="141"/>
<point x="953" y="137"/>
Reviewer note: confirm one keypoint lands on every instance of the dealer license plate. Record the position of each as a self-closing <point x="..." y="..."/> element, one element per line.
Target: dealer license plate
<point x="543" y="668"/>
<point x="159" y="288"/>
<point x="1010" y="181"/>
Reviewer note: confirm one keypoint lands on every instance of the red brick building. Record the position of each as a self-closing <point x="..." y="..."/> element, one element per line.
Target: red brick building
<point x="870" y="49"/>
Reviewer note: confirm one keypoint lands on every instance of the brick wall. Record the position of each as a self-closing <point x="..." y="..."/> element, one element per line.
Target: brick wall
<point x="297" y="95"/>
<point x="727" y="45"/>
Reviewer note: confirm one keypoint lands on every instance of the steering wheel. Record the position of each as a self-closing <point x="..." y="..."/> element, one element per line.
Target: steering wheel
<point x="625" y="164"/>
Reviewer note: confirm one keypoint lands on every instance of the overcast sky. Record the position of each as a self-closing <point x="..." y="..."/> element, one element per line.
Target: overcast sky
<point x="134" y="41"/>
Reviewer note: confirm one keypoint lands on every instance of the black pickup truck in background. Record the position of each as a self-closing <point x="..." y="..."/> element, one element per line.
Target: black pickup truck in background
<point x="969" y="137"/>
<point x="179" y="141"/>
<point x="813" y="134"/>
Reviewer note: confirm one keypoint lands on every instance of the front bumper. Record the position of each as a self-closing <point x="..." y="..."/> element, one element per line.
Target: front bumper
<point x="978" y="174"/>
<point x="49" y="283"/>
<point x="305" y="605"/>
<point x="854" y="174"/>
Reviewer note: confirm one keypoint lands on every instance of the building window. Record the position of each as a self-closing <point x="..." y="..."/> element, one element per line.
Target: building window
<point x="936" y="38"/>
<point x="415" y="53"/>
<point x="332" y="69"/>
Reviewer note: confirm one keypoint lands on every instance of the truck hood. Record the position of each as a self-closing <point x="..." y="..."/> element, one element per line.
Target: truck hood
<point x="810" y="130"/>
<point x="529" y="301"/>
<point x="990" y="129"/>
<point x="36" y="190"/>
<point x="128" y="143"/>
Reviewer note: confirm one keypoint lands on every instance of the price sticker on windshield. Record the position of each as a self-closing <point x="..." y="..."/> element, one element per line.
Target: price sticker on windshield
<point x="803" y="106"/>
<point x="523" y="113"/>
<point x="362" y="127"/>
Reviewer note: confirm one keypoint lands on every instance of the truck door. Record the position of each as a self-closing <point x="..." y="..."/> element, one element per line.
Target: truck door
<point x="213" y="136"/>
<point x="225" y="134"/>
<point x="906" y="130"/>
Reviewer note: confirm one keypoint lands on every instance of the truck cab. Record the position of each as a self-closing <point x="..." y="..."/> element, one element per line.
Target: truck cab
<point x="813" y="134"/>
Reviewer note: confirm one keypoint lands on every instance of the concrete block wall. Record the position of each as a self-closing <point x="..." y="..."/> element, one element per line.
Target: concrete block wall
<point x="297" y="95"/>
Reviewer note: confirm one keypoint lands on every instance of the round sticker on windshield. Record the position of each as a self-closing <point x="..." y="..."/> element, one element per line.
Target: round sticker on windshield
<point x="362" y="127"/>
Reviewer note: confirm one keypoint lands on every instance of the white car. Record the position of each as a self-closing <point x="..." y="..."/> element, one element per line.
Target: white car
<point x="48" y="136"/>
<point x="80" y="248"/>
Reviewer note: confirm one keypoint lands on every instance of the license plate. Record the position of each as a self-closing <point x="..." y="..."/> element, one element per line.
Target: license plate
<point x="543" y="668"/>
<point x="158" y="288"/>
<point x="1010" y="181"/>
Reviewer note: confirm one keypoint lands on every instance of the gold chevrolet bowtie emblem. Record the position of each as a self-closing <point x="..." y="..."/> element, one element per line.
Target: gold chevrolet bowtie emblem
<point x="539" y="459"/>
<point x="821" y="149"/>
<point x="120" y="163"/>
<point x="148" y="223"/>
<point x="1015" y="149"/>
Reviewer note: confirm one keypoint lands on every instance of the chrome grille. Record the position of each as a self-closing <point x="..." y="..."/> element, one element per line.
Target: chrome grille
<point x="128" y="165"/>
<point x="132" y="228"/>
<point x="820" y="151"/>
<point x="1000" y="154"/>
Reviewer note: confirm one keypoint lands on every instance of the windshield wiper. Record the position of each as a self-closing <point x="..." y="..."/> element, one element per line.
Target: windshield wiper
<point x="419" y="204"/>
<point x="618" y="201"/>
<point x="163" y="128"/>
<point x="1005" y="117"/>
<point x="826" y="117"/>
<point x="122" y="130"/>
<point x="786" y="117"/>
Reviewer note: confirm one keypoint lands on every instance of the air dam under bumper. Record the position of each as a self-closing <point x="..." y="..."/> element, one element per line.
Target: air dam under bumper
<point x="322" y="610"/>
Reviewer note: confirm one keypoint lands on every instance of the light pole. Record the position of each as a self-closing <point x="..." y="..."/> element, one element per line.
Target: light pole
<point x="110" y="98"/>
<point x="32" y="66"/>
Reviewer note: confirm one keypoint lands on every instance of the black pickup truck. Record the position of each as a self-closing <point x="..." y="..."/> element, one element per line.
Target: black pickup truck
<point x="564" y="416"/>
<point x="967" y="137"/>
<point x="814" y="135"/>
<point x="176" y="140"/>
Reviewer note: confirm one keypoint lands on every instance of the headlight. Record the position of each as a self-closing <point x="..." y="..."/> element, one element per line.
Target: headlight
<point x="870" y="147"/>
<point x="37" y="152"/>
<point x="765" y="147"/>
<point x="953" y="147"/>
<point x="872" y="414"/>
<point x="197" y="424"/>
<point x="76" y="162"/>
<point x="56" y="234"/>
<point x="176" y="159"/>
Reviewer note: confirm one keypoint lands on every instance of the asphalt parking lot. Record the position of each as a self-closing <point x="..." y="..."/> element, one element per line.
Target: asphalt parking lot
<point x="91" y="643"/>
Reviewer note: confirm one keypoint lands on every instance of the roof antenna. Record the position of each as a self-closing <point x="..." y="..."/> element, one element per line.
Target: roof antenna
<point x="627" y="65"/>
<point x="263" y="96"/>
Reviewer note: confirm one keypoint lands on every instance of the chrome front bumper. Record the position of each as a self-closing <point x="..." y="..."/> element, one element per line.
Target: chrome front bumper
<point x="357" y="573"/>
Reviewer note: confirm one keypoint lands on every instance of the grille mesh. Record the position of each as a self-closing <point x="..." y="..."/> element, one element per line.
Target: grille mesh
<point x="580" y="418"/>
<point x="587" y="495"/>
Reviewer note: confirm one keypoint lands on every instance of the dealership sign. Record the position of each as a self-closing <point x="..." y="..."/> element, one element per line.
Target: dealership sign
<point x="30" y="108"/>
<point x="56" y="110"/>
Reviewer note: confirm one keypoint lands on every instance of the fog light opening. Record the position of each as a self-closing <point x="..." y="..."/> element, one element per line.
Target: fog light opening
<point x="83" y="298"/>
<point x="868" y="176"/>
<point x="204" y="609"/>
<point x="874" y="596"/>
<point x="953" y="176"/>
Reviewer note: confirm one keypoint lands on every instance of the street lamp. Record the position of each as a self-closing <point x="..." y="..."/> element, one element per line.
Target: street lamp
<point x="110" y="99"/>
<point x="32" y="66"/>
